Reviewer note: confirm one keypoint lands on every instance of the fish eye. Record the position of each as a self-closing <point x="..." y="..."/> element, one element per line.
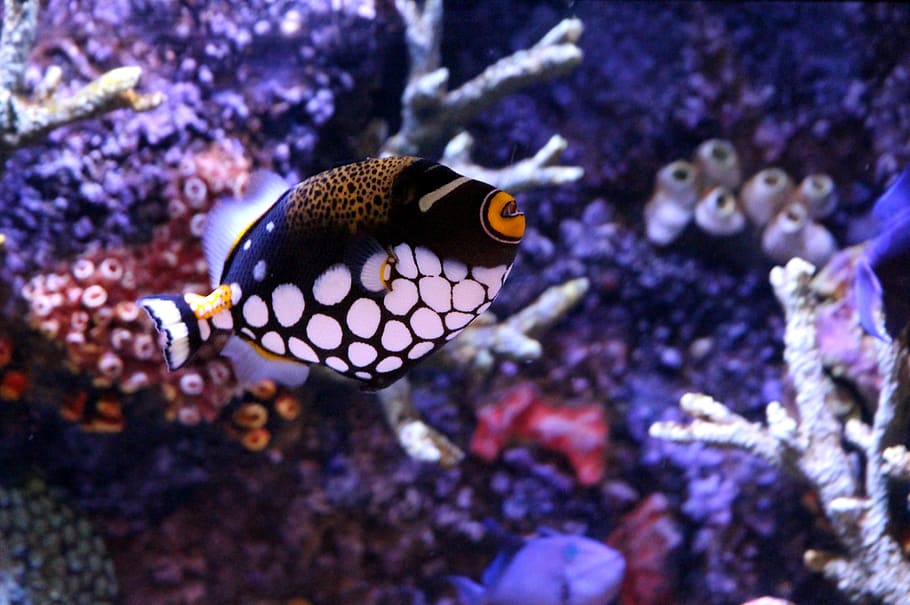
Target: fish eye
<point x="501" y="218"/>
<point x="510" y="210"/>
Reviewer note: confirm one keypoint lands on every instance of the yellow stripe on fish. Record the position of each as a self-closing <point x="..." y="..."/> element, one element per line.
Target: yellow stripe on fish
<point x="366" y="269"/>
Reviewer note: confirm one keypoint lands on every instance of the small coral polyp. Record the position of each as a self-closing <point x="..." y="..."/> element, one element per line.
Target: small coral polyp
<point x="87" y="307"/>
<point x="706" y="190"/>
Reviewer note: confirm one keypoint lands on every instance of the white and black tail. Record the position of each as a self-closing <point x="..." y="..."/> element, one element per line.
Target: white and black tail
<point x="183" y="332"/>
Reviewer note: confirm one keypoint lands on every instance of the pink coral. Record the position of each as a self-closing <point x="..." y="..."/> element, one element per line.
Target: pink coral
<point x="88" y="306"/>
<point x="580" y="433"/>
<point x="647" y="537"/>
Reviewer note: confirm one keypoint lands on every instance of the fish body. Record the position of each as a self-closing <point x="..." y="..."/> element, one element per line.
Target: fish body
<point x="883" y="271"/>
<point x="366" y="269"/>
<point x="553" y="569"/>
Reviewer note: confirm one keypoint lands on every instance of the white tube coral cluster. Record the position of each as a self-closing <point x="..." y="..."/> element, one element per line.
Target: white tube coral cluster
<point x="705" y="191"/>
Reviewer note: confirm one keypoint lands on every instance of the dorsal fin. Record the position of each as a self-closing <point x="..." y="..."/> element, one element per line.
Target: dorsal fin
<point x="231" y="218"/>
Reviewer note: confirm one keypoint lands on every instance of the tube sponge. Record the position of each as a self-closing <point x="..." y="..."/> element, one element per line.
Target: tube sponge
<point x="793" y="233"/>
<point x="718" y="213"/>
<point x="816" y="191"/>
<point x="709" y="190"/>
<point x="718" y="164"/>
<point x="670" y="208"/>
<point x="764" y="194"/>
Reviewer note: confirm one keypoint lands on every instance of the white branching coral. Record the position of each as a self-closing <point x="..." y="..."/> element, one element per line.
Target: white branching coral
<point x="432" y="114"/>
<point x="809" y="445"/>
<point x="538" y="171"/>
<point x="487" y="339"/>
<point x="23" y="120"/>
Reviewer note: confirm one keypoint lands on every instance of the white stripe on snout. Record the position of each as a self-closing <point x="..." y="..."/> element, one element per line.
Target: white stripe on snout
<point x="426" y="201"/>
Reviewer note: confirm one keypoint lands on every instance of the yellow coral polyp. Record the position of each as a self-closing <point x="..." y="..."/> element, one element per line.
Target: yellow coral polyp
<point x="670" y="208"/>
<point x="110" y="365"/>
<point x="816" y="191"/>
<point x="256" y="440"/>
<point x="287" y="407"/>
<point x="792" y="233"/>
<point x="110" y="269"/>
<point x="264" y="389"/>
<point x="250" y="416"/>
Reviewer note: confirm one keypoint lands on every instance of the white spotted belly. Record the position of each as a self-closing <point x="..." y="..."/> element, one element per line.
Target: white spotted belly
<point x="370" y="336"/>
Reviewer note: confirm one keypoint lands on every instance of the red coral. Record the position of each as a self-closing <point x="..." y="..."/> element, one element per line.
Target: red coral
<point x="647" y="537"/>
<point x="14" y="381"/>
<point x="579" y="433"/>
<point x="89" y="306"/>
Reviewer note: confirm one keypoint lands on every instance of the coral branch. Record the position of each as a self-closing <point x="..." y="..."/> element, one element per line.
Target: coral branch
<point x="896" y="463"/>
<point x="20" y="18"/>
<point x="22" y="121"/>
<point x="431" y="113"/>
<point x="538" y="171"/>
<point x="873" y="565"/>
<point x="556" y="54"/>
<point x="715" y="424"/>
<point x="423" y="30"/>
<point x="484" y="340"/>
<point x="821" y="458"/>
<point x="417" y="438"/>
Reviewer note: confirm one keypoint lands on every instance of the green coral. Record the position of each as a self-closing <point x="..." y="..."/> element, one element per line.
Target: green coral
<point x="49" y="554"/>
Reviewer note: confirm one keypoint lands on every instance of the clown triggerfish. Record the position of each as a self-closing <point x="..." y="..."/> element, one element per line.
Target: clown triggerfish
<point x="366" y="268"/>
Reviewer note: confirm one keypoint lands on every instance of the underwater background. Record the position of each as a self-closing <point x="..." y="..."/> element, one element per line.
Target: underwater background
<point x="121" y="483"/>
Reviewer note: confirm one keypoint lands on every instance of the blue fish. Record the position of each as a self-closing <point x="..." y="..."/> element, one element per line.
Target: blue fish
<point x="552" y="569"/>
<point x="883" y="271"/>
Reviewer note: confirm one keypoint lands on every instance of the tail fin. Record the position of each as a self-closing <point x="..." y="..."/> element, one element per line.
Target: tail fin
<point x="174" y="318"/>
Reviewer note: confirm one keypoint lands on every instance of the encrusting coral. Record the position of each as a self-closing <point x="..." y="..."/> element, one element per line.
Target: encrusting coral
<point x="706" y="190"/>
<point x="578" y="432"/>
<point x="21" y="120"/>
<point x="49" y="553"/>
<point x="808" y="443"/>
<point x="88" y="307"/>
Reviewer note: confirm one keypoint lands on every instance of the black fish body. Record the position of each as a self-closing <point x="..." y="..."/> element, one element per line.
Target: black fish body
<point x="366" y="269"/>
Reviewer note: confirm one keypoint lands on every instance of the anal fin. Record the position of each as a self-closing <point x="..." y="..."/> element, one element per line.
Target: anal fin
<point x="252" y="364"/>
